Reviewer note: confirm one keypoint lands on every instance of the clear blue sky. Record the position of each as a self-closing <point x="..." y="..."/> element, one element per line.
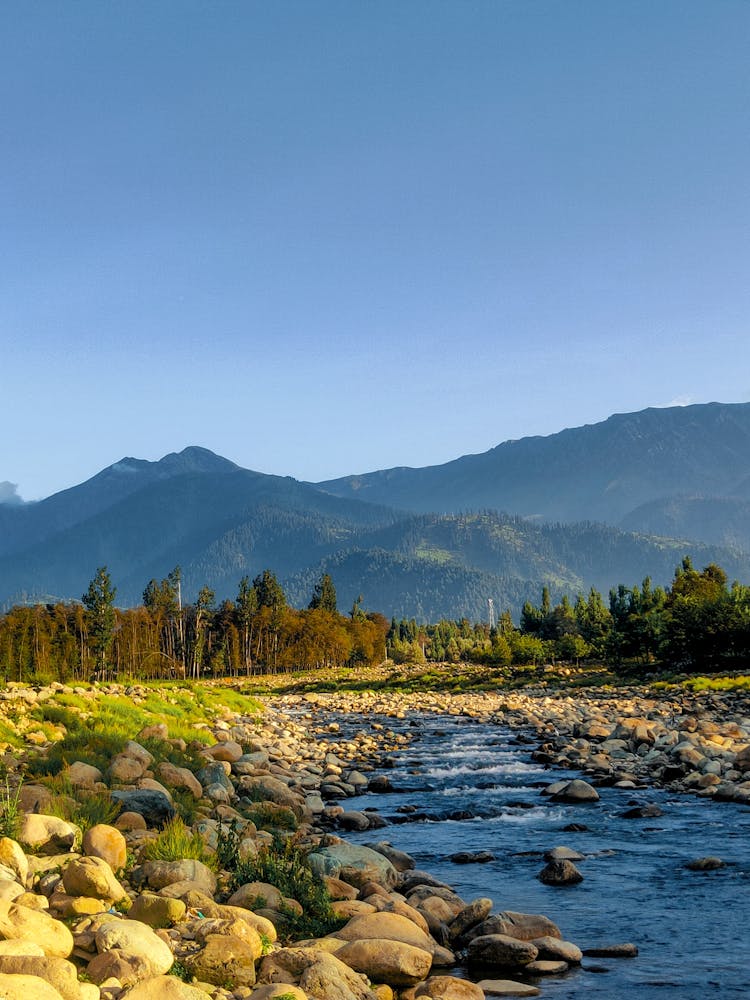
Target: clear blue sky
<point x="327" y="237"/>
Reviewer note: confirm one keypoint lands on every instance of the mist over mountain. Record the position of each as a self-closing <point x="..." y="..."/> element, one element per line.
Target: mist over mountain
<point x="416" y="542"/>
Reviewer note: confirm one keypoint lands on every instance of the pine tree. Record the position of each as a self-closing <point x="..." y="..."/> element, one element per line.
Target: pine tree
<point x="99" y="601"/>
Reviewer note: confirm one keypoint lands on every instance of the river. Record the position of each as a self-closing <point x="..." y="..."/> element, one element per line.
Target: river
<point x="692" y="928"/>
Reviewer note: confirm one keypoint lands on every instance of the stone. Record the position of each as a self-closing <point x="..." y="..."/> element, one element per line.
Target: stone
<point x="400" y="860"/>
<point x="130" y="821"/>
<point x="58" y="972"/>
<point x="203" y="929"/>
<point x="82" y="775"/>
<point x="319" y="975"/>
<point x="154" y="807"/>
<point x="612" y="951"/>
<point x="449" y="988"/>
<point x="256" y="895"/>
<point x="563" y="854"/>
<point x="342" y="857"/>
<point x="224" y="958"/>
<point x="546" y="967"/>
<point x="274" y="990"/>
<point x="522" y="926"/>
<point x="117" y="964"/>
<point x="272" y="790"/>
<point x="228" y="750"/>
<point x="21" y="922"/>
<point x="553" y="949"/>
<point x="501" y="951"/>
<point x="577" y="790"/>
<point x="12" y="856"/>
<point x="560" y="873"/>
<point x="157" y="911"/>
<point x="388" y="961"/>
<point x="106" y="842"/>
<point x="179" y="777"/>
<point x="135" y="938"/>
<point x="20" y="947"/>
<point x="163" y="988"/>
<point x="20" y="987"/>
<point x="124" y="770"/>
<point x="387" y="927"/>
<point x="707" y="864"/>
<point x="92" y="877"/>
<point x="160" y="874"/>
<point x="507" y="988"/>
<point x="470" y="916"/>
<point x="47" y="834"/>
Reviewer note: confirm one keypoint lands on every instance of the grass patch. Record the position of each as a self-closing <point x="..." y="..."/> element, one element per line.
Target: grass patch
<point x="268" y="816"/>
<point x="10" y="812"/>
<point x="175" y="842"/>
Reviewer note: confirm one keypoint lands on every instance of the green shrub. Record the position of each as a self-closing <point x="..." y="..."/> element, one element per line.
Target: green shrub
<point x="269" y="816"/>
<point x="176" y="842"/>
<point x="10" y="811"/>
<point x="287" y="868"/>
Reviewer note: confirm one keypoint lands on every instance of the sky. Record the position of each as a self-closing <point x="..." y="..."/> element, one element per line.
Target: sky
<point x="322" y="238"/>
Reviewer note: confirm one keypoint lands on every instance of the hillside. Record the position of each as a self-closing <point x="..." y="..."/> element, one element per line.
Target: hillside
<point x="601" y="472"/>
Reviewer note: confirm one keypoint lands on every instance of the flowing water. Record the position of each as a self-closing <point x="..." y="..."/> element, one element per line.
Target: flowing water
<point x="692" y="928"/>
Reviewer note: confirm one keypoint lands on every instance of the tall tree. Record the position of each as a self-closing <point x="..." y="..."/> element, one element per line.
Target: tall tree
<point x="324" y="595"/>
<point x="99" y="601"/>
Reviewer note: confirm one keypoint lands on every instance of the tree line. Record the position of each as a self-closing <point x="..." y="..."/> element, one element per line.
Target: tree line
<point x="700" y="622"/>
<point x="163" y="638"/>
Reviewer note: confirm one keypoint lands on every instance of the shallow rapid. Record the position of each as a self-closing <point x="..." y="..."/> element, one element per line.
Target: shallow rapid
<point x="691" y="928"/>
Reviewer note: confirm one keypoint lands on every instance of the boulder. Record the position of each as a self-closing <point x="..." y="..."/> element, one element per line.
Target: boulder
<point x="449" y="988"/>
<point x="522" y="926"/>
<point x="20" y="987"/>
<point x="179" y="777"/>
<point x="387" y="961"/>
<point x="577" y="790"/>
<point x="553" y="949"/>
<point x="134" y="938"/>
<point x="342" y="857"/>
<point x="223" y="958"/>
<point x="48" y="834"/>
<point x="154" y="807"/>
<point x="157" y="911"/>
<point x="163" y="988"/>
<point x="116" y="964"/>
<point x="12" y="856"/>
<point x="106" y="842"/>
<point x="160" y="874"/>
<point x="469" y="917"/>
<point x="386" y="927"/>
<point x="501" y="951"/>
<point x="92" y="877"/>
<point x="23" y="923"/>
<point x="507" y="988"/>
<point x="560" y="873"/>
<point x="58" y="972"/>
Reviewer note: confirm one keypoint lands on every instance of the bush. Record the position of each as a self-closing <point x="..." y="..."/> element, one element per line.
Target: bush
<point x="176" y="842"/>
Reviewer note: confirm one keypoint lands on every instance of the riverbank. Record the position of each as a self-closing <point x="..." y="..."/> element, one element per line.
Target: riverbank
<point x="184" y="873"/>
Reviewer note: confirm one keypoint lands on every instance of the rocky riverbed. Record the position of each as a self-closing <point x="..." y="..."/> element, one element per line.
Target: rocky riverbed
<point x="93" y="916"/>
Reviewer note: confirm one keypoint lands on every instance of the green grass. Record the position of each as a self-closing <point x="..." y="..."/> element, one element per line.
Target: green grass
<point x="175" y="842"/>
<point x="10" y="811"/>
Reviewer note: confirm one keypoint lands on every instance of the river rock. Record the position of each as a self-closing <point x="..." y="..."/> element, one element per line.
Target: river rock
<point x="387" y="961"/>
<point x="449" y="988"/>
<point x="707" y="864"/>
<point x="274" y="990"/>
<point x="336" y="858"/>
<point x="188" y="871"/>
<point x="501" y="951"/>
<point x="179" y="777"/>
<point x="157" y="911"/>
<point x="388" y="927"/>
<point x="13" y="857"/>
<point x="507" y="988"/>
<point x="317" y="973"/>
<point x="21" y="987"/>
<point x="471" y="915"/>
<point x="560" y="873"/>
<point x="58" y="972"/>
<point x="22" y="923"/>
<point x="563" y="854"/>
<point x="553" y="949"/>
<point x="92" y="877"/>
<point x="82" y="775"/>
<point x="155" y="807"/>
<point x="522" y="926"/>
<point x="47" y="834"/>
<point x="163" y="988"/>
<point x="106" y="842"/>
<point x="400" y="860"/>
<point x="612" y="951"/>
<point x="577" y="790"/>
<point x="223" y="958"/>
<point x="135" y="938"/>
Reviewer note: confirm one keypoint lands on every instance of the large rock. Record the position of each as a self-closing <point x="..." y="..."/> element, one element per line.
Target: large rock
<point x="577" y="790"/>
<point x="106" y="842"/>
<point x="560" y="873"/>
<point x="48" y="834"/>
<point x="343" y="857"/>
<point x="317" y="973"/>
<point x="224" y="958"/>
<point x="522" y="926"/>
<point x="116" y="964"/>
<point x="553" y="949"/>
<point x="135" y="938"/>
<point x="20" y="987"/>
<point x="180" y="777"/>
<point x="387" y="927"/>
<point x="83" y="775"/>
<point x="13" y="857"/>
<point x="157" y="911"/>
<point x="163" y="988"/>
<point x="92" y="877"/>
<point x="160" y="874"/>
<point x="270" y="789"/>
<point x="58" y="972"/>
<point x="449" y="988"/>
<point x="22" y="923"/>
<point x="501" y="951"/>
<point x="471" y="915"/>
<point x="155" y="807"/>
<point x="387" y="961"/>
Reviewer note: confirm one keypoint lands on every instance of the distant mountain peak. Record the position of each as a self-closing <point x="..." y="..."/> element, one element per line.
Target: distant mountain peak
<point x="196" y="459"/>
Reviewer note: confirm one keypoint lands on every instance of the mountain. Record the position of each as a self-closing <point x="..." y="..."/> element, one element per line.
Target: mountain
<point x="421" y="543"/>
<point x="600" y="472"/>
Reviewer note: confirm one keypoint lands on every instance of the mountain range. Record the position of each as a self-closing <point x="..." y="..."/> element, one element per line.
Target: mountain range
<point x="598" y="505"/>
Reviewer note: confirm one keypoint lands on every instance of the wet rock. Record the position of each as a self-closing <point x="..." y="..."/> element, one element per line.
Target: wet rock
<point x="387" y="961"/>
<point x="612" y="951"/>
<point x="650" y="811"/>
<point x="471" y="857"/>
<point x="707" y="864"/>
<point x="560" y="873"/>
<point x="575" y="791"/>
<point x="501" y="951"/>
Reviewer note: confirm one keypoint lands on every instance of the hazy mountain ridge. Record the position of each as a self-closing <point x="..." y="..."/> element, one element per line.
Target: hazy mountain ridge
<point x="220" y="522"/>
<point x="599" y="472"/>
